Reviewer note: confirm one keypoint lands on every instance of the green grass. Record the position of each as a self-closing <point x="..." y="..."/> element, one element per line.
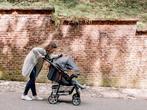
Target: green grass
<point x="98" y="9"/>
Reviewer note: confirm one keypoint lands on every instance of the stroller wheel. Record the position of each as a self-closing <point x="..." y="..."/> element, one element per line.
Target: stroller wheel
<point x="53" y="99"/>
<point x="76" y="99"/>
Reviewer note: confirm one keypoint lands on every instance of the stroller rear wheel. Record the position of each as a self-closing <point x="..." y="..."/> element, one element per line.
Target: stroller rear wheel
<point x="53" y="99"/>
<point x="76" y="99"/>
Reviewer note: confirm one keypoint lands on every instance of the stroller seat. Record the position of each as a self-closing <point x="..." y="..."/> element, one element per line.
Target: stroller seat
<point x="57" y="74"/>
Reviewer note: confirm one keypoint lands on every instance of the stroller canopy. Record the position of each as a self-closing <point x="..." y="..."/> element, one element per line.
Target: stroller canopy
<point x="66" y="63"/>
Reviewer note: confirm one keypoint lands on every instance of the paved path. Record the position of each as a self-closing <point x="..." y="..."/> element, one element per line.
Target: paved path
<point x="12" y="101"/>
<point x="99" y="92"/>
<point x="93" y="98"/>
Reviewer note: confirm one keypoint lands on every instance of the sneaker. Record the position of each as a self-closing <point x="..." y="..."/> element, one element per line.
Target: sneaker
<point x="37" y="98"/>
<point x="26" y="97"/>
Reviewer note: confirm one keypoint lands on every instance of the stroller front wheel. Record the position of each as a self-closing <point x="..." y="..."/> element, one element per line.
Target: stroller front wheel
<point x="53" y="99"/>
<point x="76" y="99"/>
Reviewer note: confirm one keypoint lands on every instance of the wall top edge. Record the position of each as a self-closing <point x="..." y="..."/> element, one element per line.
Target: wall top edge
<point x="47" y="10"/>
<point x="141" y="32"/>
<point x="102" y="22"/>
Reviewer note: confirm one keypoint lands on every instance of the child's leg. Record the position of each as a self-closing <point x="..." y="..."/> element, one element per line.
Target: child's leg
<point x="74" y="81"/>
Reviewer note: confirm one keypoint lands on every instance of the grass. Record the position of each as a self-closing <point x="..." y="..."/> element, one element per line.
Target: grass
<point x="96" y="9"/>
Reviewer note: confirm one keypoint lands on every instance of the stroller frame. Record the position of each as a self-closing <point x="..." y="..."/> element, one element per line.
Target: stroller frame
<point x="56" y="92"/>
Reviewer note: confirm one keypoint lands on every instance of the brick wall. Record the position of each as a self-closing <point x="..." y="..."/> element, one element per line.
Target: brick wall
<point x="20" y="31"/>
<point x="103" y="50"/>
<point x="108" y="52"/>
<point x="140" y="57"/>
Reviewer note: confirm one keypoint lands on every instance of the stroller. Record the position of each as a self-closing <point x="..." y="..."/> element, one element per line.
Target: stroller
<point x="59" y="75"/>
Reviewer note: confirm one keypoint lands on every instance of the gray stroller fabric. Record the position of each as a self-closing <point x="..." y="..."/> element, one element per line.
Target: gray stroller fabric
<point x="67" y="63"/>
